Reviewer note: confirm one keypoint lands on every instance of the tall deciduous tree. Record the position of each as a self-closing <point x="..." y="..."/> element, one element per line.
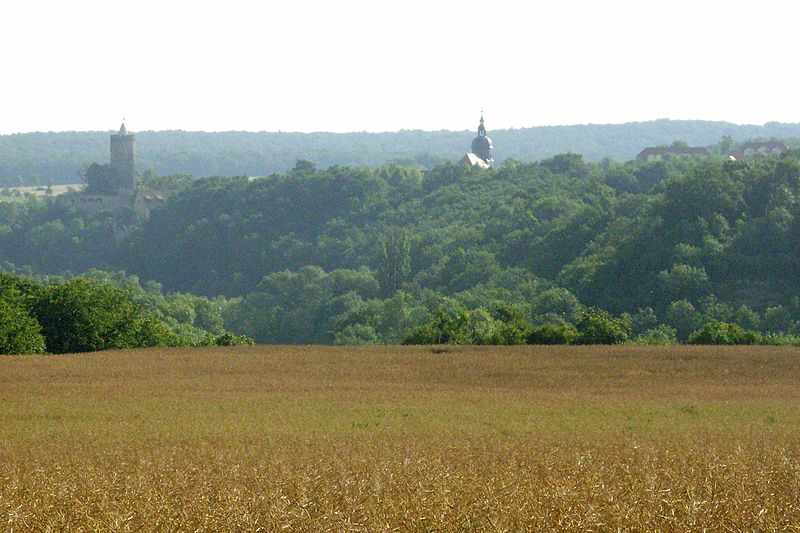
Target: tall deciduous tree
<point x="82" y="316"/>
<point x="394" y="261"/>
<point x="20" y="333"/>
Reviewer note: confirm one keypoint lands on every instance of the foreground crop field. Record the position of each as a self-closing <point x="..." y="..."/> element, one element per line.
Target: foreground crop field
<point x="402" y="438"/>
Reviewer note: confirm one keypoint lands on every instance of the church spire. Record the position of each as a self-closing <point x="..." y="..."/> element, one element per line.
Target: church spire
<point x="481" y="127"/>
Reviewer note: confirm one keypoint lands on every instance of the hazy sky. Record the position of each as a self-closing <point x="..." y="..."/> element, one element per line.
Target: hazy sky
<point x="347" y="65"/>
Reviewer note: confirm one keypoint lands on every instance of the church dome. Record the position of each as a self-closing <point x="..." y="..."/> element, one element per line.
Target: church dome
<point x="482" y="144"/>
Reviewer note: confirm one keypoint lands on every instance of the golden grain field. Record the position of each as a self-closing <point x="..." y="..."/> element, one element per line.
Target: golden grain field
<point x="402" y="439"/>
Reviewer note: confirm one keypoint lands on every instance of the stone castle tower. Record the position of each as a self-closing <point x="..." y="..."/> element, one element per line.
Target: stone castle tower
<point x="123" y="159"/>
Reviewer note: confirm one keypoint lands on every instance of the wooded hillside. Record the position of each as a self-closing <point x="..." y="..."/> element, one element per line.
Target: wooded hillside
<point x="367" y="254"/>
<point x="52" y="158"/>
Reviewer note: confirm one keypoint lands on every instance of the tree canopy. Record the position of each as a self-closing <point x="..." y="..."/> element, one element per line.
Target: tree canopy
<point x="358" y="255"/>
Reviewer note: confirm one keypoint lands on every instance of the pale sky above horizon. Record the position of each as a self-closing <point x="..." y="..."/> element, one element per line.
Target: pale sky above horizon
<point x="350" y="65"/>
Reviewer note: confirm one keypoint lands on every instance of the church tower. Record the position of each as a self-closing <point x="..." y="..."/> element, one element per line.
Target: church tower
<point x="482" y="145"/>
<point x="123" y="158"/>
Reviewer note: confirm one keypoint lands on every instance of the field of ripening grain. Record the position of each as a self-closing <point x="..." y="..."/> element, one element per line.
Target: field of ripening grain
<point x="402" y="439"/>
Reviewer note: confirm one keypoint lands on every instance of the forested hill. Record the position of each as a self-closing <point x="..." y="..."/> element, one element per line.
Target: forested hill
<point x="352" y="255"/>
<point x="52" y="158"/>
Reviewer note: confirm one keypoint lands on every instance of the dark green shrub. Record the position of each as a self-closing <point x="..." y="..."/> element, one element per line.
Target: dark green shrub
<point x="20" y="333"/>
<point x="445" y="327"/>
<point x="507" y="334"/>
<point x="780" y="339"/>
<point x="229" y="339"/>
<point x="149" y="332"/>
<point x="552" y="334"/>
<point x="425" y="334"/>
<point x="683" y="316"/>
<point x="596" y="326"/>
<point x="724" y="333"/>
<point x="512" y="327"/>
<point x="661" y="334"/>
<point x="81" y="316"/>
<point x="18" y="288"/>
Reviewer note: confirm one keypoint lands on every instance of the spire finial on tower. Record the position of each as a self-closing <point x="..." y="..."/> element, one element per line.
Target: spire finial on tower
<point x="122" y="129"/>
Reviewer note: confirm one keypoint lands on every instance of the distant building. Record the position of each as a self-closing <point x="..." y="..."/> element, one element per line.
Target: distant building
<point x="481" y="154"/>
<point x="659" y="152"/>
<point x="95" y="203"/>
<point x="123" y="160"/>
<point x="472" y="160"/>
<point x="113" y="186"/>
<point x="760" y="149"/>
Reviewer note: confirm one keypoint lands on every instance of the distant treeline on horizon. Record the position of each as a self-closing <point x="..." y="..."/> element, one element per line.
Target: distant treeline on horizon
<point x="60" y="157"/>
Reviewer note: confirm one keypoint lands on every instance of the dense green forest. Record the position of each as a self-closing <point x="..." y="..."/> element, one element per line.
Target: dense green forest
<point x="53" y="158"/>
<point x="524" y="252"/>
<point x="102" y="311"/>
